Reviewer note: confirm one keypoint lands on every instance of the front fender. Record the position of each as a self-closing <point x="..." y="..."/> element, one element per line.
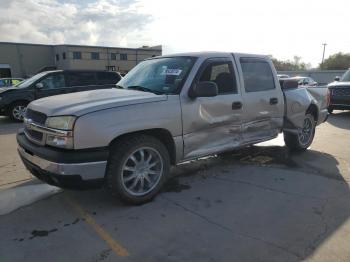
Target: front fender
<point x="99" y="128"/>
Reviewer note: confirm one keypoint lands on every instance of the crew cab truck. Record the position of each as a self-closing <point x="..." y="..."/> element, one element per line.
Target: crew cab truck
<point x="165" y="111"/>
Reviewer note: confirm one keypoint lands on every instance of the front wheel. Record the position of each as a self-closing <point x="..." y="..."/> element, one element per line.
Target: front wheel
<point x="138" y="167"/>
<point x="17" y="111"/>
<point x="330" y="110"/>
<point x="303" y="139"/>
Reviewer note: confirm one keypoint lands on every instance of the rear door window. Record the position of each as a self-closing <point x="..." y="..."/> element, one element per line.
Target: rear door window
<point x="81" y="78"/>
<point x="257" y="75"/>
<point x="107" y="78"/>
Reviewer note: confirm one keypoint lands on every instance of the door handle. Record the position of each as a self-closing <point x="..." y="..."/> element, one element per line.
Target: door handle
<point x="236" y="105"/>
<point x="273" y="101"/>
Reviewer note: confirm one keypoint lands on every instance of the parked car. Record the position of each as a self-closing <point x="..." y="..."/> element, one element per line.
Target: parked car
<point x="168" y="110"/>
<point x="304" y="80"/>
<point x="7" y="82"/>
<point x="340" y="93"/>
<point x="283" y="76"/>
<point x="14" y="100"/>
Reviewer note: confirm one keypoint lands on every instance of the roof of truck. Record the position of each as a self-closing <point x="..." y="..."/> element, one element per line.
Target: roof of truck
<point x="212" y="54"/>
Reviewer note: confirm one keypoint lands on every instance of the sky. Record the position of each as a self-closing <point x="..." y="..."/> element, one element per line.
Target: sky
<point x="282" y="28"/>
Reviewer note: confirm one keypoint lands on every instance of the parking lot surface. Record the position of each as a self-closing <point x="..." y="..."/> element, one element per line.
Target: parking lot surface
<point x="261" y="203"/>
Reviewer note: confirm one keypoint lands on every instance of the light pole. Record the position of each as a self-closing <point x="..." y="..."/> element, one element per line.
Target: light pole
<point x="324" y="50"/>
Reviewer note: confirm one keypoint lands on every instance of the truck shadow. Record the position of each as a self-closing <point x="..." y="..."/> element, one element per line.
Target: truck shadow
<point x="296" y="212"/>
<point x="340" y="119"/>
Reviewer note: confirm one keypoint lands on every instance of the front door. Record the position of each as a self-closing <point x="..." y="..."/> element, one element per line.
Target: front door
<point x="262" y="98"/>
<point x="52" y="84"/>
<point x="213" y="124"/>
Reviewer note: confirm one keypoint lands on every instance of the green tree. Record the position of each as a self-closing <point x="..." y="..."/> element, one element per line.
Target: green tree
<point x="337" y="61"/>
<point x="289" y="65"/>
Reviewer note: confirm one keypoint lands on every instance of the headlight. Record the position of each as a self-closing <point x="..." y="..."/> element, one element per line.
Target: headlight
<point x="61" y="122"/>
<point x="63" y="136"/>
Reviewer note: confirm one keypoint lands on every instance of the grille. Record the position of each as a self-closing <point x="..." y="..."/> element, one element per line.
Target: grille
<point x="36" y="117"/>
<point x="34" y="134"/>
<point x="341" y="91"/>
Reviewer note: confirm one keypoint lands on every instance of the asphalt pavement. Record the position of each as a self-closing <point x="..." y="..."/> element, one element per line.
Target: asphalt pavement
<point x="261" y="203"/>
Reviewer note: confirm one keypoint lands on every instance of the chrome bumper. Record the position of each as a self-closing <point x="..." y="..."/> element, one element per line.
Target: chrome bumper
<point x="87" y="171"/>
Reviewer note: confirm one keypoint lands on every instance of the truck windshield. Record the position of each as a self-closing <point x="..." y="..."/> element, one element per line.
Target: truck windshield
<point x="29" y="81"/>
<point x="164" y="75"/>
<point x="346" y="77"/>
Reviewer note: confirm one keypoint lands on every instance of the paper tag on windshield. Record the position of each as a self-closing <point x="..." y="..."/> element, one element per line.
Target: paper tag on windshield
<point x="172" y="72"/>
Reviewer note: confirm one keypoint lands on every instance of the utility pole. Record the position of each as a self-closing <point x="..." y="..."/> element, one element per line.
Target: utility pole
<point x="324" y="50"/>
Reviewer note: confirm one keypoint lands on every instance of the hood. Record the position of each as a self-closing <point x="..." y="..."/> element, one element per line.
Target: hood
<point x="81" y="103"/>
<point x="339" y="84"/>
<point x="4" y="89"/>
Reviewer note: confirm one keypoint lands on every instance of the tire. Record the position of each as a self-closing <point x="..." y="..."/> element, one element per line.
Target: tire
<point x="330" y="110"/>
<point x="299" y="142"/>
<point x="17" y="110"/>
<point x="125" y="167"/>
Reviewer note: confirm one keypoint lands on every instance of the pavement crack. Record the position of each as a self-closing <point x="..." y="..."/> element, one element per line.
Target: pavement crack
<point x="267" y="188"/>
<point x="227" y="229"/>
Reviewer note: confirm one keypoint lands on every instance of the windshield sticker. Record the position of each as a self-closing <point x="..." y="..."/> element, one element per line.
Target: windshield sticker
<point x="172" y="72"/>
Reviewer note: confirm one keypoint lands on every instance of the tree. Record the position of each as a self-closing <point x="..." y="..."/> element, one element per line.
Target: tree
<point x="337" y="61"/>
<point x="289" y="65"/>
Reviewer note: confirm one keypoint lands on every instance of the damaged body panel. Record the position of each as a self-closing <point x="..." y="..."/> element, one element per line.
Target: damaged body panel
<point x="299" y="100"/>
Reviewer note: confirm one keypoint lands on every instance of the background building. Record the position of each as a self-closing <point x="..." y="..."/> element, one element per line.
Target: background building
<point x="24" y="60"/>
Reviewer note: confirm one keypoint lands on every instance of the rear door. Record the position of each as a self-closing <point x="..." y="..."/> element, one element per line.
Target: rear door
<point x="81" y="81"/>
<point x="263" y="102"/>
<point x="107" y="79"/>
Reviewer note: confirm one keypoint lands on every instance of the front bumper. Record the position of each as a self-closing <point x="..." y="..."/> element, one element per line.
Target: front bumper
<point x="62" y="167"/>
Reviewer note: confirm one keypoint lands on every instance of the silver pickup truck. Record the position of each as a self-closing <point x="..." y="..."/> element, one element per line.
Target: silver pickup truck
<point x="165" y="111"/>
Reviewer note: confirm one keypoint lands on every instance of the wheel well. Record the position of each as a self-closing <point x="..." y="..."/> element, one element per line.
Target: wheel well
<point x="161" y="134"/>
<point x="20" y="101"/>
<point x="313" y="110"/>
<point x="8" y="109"/>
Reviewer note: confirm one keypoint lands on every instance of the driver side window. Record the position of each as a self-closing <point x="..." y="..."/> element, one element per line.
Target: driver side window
<point x="53" y="81"/>
<point x="221" y="73"/>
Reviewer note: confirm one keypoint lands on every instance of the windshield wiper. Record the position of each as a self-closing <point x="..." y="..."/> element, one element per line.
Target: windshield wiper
<point x="145" y="89"/>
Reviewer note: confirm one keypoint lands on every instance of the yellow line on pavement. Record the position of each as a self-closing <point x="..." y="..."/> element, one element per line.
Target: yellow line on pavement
<point x="113" y="244"/>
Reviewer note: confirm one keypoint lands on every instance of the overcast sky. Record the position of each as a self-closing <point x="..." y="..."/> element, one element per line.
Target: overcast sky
<point x="282" y="28"/>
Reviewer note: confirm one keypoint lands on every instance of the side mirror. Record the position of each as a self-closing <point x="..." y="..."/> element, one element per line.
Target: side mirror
<point x="337" y="78"/>
<point x="289" y="84"/>
<point x="203" y="89"/>
<point x="39" y="85"/>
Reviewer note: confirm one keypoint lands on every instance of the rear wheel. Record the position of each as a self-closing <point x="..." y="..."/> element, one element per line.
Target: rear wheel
<point x="303" y="139"/>
<point x="17" y="111"/>
<point x="330" y="110"/>
<point x="137" y="168"/>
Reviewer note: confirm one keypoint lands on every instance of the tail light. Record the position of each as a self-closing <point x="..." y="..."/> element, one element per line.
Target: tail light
<point x="328" y="98"/>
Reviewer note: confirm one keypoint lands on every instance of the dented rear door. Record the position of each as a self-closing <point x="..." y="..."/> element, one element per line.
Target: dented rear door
<point x="263" y="102"/>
